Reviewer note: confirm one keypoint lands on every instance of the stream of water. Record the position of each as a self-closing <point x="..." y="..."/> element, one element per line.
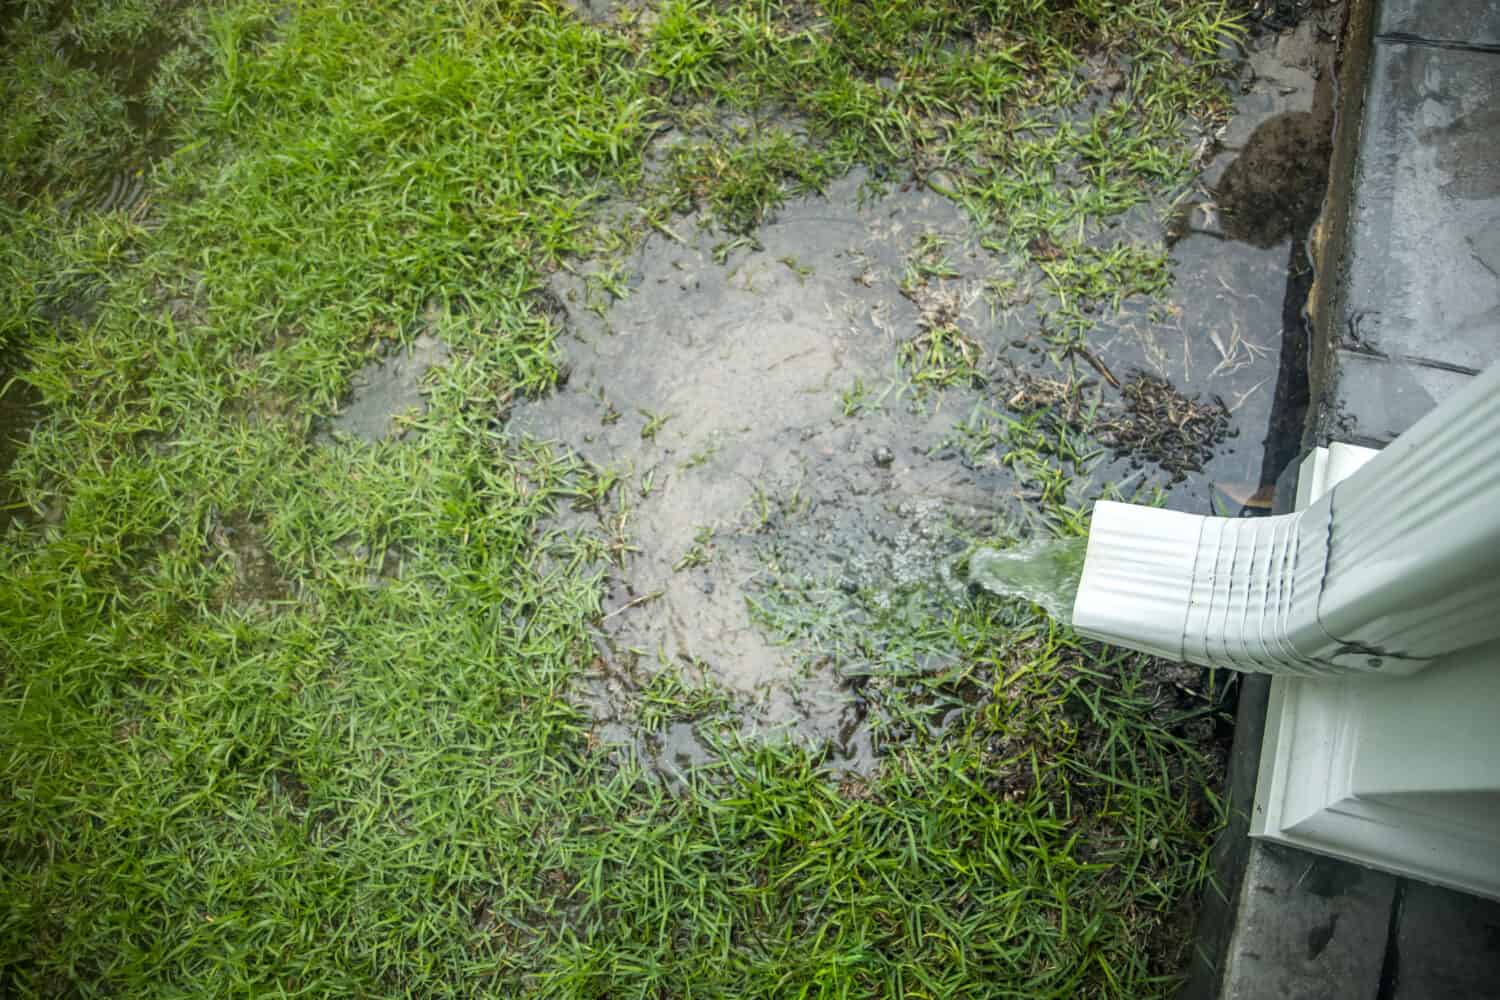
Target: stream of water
<point x="1044" y="572"/>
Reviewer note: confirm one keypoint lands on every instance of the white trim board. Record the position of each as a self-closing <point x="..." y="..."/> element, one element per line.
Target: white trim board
<point x="1401" y="773"/>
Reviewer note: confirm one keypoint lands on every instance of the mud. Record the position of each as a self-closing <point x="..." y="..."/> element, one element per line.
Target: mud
<point x="758" y="415"/>
<point x="256" y="582"/>
<point x="609" y="11"/>
<point x="134" y="74"/>
<point x="1273" y="190"/>
<point x="123" y="191"/>
<point x="130" y="67"/>
<point x="389" y="391"/>
<point x="776" y="459"/>
<point x="1232" y="328"/>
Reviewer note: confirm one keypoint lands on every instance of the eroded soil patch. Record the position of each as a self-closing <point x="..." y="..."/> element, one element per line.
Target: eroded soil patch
<point x="791" y="430"/>
<point x="745" y="399"/>
<point x="809" y="423"/>
<point x="389" y="392"/>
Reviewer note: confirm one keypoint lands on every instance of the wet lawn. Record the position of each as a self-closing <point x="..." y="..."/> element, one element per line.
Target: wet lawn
<point x="360" y="636"/>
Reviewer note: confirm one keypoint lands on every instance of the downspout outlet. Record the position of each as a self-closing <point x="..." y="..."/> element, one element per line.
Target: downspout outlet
<point x="1396" y="567"/>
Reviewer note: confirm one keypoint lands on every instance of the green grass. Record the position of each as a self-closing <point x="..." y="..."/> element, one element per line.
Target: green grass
<point x="287" y="717"/>
<point x="667" y="697"/>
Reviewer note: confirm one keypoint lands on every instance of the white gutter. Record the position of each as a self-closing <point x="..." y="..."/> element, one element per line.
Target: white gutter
<point x="1397" y="566"/>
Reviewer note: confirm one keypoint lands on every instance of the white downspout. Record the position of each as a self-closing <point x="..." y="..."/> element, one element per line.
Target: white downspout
<point x="1397" y="566"/>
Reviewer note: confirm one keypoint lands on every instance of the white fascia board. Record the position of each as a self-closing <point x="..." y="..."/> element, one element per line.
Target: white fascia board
<point x="1419" y="796"/>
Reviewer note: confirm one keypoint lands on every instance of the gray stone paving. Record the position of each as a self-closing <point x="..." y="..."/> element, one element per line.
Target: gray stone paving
<point x="1414" y="311"/>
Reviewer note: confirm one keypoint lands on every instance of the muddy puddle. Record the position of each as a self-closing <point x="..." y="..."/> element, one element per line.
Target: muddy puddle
<point x="119" y="80"/>
<point x="604" y="11"/>
<point x="751" y="397"/>
<point x="389" y="391"/>
<point x="1231" y="329"/>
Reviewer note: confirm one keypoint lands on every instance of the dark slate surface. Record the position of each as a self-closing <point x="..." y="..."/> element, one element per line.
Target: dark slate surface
<point x="1413" y="299"/>
<point x="1447" y="946"/>
<point x="1422" y="280"/>
<point x="1471" y="22"/>
<point x="1310" y="928"/>
<point x="1378" y="398"/>
<point x="1420" y="303"/>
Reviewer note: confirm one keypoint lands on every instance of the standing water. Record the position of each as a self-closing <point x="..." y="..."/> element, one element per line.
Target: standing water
<point x="1045" y="572"/>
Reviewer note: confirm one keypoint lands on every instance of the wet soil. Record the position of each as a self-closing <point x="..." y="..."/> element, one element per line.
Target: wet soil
<point x="256" y="581"/>
<point x="132" y="75"/>
<point x="600" y="11"/>
<point x="755" y="396"/>
<point x="757" y="413"/>
<point x="1232" y="328"/>
<point x="389" y="391"/>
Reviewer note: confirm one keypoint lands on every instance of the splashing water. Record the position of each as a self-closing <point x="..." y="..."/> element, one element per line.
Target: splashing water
<point x="1045" y="572"/>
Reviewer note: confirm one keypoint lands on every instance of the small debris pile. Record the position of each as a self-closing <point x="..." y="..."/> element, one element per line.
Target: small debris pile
<point x="1026" y="392"/>
<point x="940" y="354"/>
<point x="1158" y="423"/>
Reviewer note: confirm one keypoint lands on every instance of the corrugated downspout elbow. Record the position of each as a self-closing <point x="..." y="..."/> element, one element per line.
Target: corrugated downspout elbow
<point x="1397" y="566"/>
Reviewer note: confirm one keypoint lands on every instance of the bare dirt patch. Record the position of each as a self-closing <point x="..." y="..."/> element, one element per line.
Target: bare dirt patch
<point x="389" y="390"/>
<point x="747" y="399"/>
